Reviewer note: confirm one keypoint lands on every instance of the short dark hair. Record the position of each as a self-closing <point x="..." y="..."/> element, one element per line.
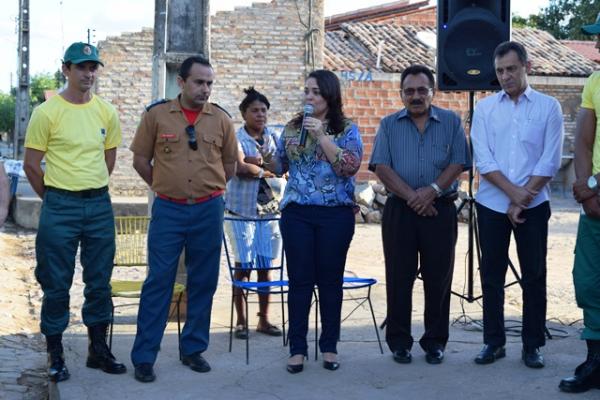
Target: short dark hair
<point x="417" y="69"/>
<point x="251" y="96"/>
<point x="186" y="65"/>
<point x="503" y="48"/>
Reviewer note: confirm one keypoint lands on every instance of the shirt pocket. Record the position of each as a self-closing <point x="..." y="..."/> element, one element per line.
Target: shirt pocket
<point x="166" y="144"/>
<point x="532" y="132"/>
<point x="211" y="146"/>
<point x="531" y="136"/>
<point x="441" y="155"/>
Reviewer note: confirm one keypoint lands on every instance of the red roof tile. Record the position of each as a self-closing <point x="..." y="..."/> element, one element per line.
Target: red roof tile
<point x="586" y="48"/>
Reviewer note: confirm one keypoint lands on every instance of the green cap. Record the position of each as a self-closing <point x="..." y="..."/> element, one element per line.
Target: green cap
<point x="81" y="52"/>
<point x="593" y="29"/>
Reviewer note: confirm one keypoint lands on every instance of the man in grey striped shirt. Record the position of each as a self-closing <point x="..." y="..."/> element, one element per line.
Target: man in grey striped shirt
<point x="418" y="154"/>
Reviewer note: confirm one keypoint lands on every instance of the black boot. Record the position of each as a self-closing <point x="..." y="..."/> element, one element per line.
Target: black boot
<point x="587" y="375"/>
<point x="57" y="370"/>
<point x="99" y="356"/>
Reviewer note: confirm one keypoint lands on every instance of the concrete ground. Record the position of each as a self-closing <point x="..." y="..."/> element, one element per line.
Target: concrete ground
<point x="364" y="372"/>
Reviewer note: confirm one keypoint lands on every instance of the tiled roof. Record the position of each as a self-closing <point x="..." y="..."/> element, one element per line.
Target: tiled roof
<point x="586" y="48"/>
<point x="400" y="47"/>
<point x="383" y="10"/>
<point x="355" y="48"/>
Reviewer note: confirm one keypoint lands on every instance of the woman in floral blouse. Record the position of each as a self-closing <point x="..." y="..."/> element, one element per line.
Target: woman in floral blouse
<point x="317" y="220"/>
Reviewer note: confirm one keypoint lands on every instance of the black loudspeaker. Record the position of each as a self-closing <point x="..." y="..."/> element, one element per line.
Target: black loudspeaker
<point x="468" y="31"/>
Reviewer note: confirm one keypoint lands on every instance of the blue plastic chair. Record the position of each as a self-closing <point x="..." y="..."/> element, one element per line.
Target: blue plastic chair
<point x="238" y="240"/>
<point x="353" y="283"/>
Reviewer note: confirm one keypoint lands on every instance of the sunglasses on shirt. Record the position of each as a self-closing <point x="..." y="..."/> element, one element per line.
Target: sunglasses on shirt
<point x="191" y="132"/>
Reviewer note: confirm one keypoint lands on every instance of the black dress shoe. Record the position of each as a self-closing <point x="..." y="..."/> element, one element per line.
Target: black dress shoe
<point x="144" y="372"/>
<point x="489" y="354"/>
<point x="402" y="356"/>
<point x="434" y="355"/>
<point x="196" y="362"/>
<point x="331" y="365"/>
<point x="532" y="358"/>
<point x="587" y="376"/>
<point x="294" y="368"/>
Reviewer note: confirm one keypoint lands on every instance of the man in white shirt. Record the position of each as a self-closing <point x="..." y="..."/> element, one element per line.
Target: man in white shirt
<point x="517" y="142"/>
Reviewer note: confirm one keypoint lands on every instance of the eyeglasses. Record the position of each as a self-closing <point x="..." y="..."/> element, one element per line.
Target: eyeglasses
<point x="192" y="142"/>
<point x="421" y="91"/>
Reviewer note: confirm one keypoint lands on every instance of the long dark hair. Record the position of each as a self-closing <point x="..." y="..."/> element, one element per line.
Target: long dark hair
<point x="329" y="86"/>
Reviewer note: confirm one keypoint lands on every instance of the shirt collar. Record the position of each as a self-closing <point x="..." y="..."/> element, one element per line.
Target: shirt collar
<point x="527" y="94"/>
<point x="176" y="106"/>
<point x="433" y="113"/>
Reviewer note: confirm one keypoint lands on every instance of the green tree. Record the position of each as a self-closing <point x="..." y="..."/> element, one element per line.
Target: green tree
<point x="40" y="83"/>
<point x="522" y="22"/>
<point x="7" y="113"/>
<point x="564" y="18"/>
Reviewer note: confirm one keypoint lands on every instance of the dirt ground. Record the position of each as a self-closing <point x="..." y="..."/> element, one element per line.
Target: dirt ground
<point x="20" y="300"/>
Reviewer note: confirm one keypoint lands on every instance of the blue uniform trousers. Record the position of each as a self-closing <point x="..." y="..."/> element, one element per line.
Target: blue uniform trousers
<point x="199" y="229"/>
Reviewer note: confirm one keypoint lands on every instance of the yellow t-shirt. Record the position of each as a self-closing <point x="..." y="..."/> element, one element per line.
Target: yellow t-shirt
<point x="74" y="138"/>
<point x="590" y="98"/>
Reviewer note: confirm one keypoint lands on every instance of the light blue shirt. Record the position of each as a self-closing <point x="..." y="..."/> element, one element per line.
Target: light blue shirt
<point x="521" y="140"/>
<point x="241" y="194"/>
<point x="420" y="158"/>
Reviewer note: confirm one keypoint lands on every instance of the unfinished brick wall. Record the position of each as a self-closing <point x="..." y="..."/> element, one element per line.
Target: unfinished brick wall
<point x="423" y="17"/>
<point x="126" y="81"/>
<point x="262" y="45"/>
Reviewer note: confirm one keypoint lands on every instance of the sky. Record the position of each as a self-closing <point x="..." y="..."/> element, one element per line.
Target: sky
<point x="54" y="24"/>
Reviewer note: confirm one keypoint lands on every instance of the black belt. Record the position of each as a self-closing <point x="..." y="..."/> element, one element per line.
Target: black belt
<point x="82" y="194"/>
<point x="447" y="198"/>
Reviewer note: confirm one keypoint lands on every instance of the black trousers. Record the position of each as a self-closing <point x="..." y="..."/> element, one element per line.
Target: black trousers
<point x="316" y="241"/>
<point x="531" y="238"/>
<point x="410" y="240"/>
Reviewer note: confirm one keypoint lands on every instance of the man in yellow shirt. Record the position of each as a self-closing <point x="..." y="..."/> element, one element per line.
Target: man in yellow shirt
<point x="78" y="134"/>
<point x="586" y="269"/>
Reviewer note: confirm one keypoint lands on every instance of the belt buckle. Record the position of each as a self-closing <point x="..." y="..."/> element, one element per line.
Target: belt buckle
<point x="190" y="201"/>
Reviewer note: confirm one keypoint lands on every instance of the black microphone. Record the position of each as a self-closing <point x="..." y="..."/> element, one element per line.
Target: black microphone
<point x="308" y="111"/>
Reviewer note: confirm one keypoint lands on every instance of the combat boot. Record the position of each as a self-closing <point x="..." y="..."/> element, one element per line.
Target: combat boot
<point x="99" y="356"/>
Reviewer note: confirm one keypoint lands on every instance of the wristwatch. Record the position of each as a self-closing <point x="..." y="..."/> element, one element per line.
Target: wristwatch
<point x="438" y="190"/>
<point x="592" y="183"/>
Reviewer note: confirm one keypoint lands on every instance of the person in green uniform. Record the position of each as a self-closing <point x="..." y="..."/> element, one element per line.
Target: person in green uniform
<point x="77" y="133"/>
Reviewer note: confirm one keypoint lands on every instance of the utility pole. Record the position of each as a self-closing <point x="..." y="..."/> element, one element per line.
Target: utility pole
<point x="90" y="34"/>
<point x="22" y="98"/>
<point x="181" y="30"/>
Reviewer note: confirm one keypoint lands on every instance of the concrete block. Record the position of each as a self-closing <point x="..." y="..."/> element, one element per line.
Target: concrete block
<point x="26" y="209"/>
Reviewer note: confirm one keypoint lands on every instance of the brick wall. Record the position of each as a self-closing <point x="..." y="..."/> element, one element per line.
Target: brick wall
<point x="276" y="65"/>
<point x="126" y="81"/>
<point x="425" y="16"/>
<point x="262" y="45"/>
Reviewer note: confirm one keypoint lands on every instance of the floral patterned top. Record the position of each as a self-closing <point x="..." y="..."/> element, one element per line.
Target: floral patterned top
<point x="313" y="180"/>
